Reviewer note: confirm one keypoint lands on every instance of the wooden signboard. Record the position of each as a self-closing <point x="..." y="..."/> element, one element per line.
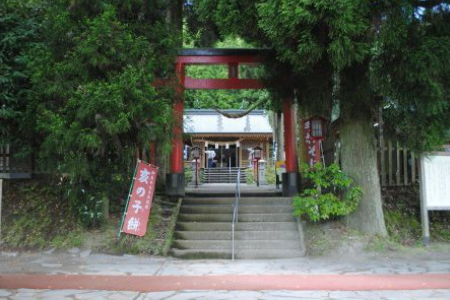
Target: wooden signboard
<point x="434" y="186"/>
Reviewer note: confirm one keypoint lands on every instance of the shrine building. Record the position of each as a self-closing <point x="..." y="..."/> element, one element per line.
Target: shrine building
<point x="224" y="142"/>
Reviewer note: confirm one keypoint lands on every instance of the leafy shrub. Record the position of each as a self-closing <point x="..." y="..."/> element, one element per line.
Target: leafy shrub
<point x="269" y="173"/>
<point x="331" y="194"/>
<point x="249" y="176"/>
<point x="188" y="174"/>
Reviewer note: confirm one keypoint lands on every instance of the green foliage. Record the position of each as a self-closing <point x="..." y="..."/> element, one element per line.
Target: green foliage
<point x="357" y="54"/>
<point x="249" y="176"/>
<point x="188" y="174"/>
<point x="411" y="68"/>
<point x="35" y="217"/>
<point x="90" y="103"/>
<point x="19" y="29"/>
<point x="224" y="99"/>
<point x="332" y="193"/>
<point x="403" y="228"/>
<point x="269" y="173"/>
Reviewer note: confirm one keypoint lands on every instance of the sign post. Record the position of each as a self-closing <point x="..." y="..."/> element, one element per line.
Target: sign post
<point x="137" y="209"/>
<point x="434" y="187"/>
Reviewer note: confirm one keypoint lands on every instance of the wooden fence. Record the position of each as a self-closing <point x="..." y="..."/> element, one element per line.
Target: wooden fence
<point x="397" y="165"/>
<point x="13" y="167"/>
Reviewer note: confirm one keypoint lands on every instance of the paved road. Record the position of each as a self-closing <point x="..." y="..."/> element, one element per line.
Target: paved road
<point x="84" y="262"/>
<point x="77" y="262"/>
<point x="222" y="294"/>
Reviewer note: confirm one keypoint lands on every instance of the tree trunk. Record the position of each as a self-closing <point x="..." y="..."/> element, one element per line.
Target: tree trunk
<point x="359" y="161"/>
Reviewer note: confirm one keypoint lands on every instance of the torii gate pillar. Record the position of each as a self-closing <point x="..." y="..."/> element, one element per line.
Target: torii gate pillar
<point x="291" y="179"/>
<point x="175" y="181"/>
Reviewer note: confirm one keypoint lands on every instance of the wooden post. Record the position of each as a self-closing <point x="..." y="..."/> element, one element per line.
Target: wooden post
<point x="423" y="205"/>
<point x="405" y="166"/>
<point x="397" y="171"/>
<point x="413" y="168"/>
<point x="382" y="147"/>
<point x="391" y="179"/>
<point x="290" y="143"/>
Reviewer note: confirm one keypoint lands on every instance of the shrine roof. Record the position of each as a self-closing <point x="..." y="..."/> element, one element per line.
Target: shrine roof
<point x="200" y="121"/>
<point x="222" y="51"/>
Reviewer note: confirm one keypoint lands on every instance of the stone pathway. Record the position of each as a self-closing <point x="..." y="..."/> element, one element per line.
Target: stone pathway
<point x="216" y="295"/>
<point x="79" y="263"/>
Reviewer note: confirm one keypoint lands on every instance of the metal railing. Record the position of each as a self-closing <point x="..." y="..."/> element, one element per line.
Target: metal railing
<point x="237" y="195"/>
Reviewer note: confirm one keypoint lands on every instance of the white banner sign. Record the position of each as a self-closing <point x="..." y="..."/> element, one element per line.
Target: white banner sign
<point x="435" y="178"/>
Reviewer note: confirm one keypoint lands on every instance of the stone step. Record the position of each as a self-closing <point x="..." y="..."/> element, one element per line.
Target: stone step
<point x="242" y="217"/>
<point x="239" y="244"/>
<point x="226" y="226"/>
<point x="242" y="201"/>
<point x="240" y="254"/>
<point x="225" y="171"/>
<point x="220" y="209"/>
<point x="238" y="235"/>
<point x="229" y="192"/>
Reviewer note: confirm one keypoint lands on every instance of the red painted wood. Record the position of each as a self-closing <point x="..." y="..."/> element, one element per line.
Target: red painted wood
<point x="318" y="152"/>
<point x="319" y="282"/>
<point x="152" y="153"/>
<point x="176" y="159"/>
<point x="219" y="84"/>
<point x="233" y="70"/>
<point x="217" y="60"/>
<point x="289" y="137"/>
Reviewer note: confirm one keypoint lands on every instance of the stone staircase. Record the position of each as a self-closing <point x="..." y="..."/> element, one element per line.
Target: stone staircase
<point x="222" y="175"/>
<point x="266" y="228"/>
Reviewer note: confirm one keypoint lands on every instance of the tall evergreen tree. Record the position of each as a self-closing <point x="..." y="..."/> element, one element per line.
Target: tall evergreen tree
<point x="360" y="55"/>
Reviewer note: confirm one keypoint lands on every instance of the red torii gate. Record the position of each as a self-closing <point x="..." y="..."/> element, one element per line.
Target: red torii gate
<point x="232" y="58"/>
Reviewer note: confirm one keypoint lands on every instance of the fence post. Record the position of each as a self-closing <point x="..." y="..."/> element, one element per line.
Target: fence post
<point x="391" y="179"/>
<point x="381" y="147"/>
<point x="405" y="166"/>
<point x="398" y="169"/>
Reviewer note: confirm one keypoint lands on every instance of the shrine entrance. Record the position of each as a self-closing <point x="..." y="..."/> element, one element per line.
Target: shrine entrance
<point x="233" y="59"/>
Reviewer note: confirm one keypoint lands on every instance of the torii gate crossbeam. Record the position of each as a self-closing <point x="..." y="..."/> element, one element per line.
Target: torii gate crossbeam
<point x="232" y="58"/>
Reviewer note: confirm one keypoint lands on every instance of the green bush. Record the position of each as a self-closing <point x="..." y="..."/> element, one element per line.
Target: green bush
<point x="188" y="174"/>
<point x="249" y="177"/>
<point x="331" y="194"/>
<point x="269" y="173"/>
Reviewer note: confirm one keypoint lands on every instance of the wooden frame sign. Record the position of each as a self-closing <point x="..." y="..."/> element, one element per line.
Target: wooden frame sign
<point x="434" y="187"/>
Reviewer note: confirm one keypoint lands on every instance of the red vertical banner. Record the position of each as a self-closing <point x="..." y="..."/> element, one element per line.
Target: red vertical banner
<point x="310" y="143"/>
<point x="140" y="199"/>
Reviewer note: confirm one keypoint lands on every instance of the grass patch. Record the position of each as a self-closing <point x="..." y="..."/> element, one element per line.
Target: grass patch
<point x="331" y="237"/>
<point x="402" y="217"/>
<point x="35" y="217"/>
<point x="159" y="231"/>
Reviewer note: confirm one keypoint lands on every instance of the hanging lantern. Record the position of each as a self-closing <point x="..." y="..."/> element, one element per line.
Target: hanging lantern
<point x="195" y="152"/>
<point x="257" y="153"/>
<point x="317" y="128"/>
